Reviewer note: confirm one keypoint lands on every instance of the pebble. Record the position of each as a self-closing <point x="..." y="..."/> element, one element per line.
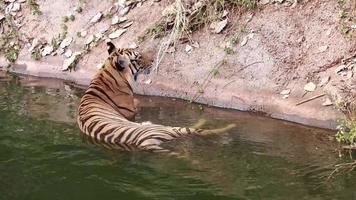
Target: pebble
<point x="83" y="33"/>
<point x="218" y="26"/>
<point x="310" y="87"/>
<point x="340" y="68"/>
<point x="115" y="20"/>
<point x="327" y="102"/>
<point x="68" y="53"/>
<point x="188" y="49"/>
<point x="66" y="42"/>
<point x="96" y="18"/>
<point x="117" y="33"/>
<point x="47" y="50"/>
<point x="324" y="81"/>
<point x="127" y="24"/>
<point x="90" y="39"/>
<point x="322" y="48"/>
<point x="285" y="92"/>
<point x="16" y="7"/>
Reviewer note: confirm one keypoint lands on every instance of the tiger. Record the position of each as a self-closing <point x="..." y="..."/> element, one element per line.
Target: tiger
<point x="107" y="109"/>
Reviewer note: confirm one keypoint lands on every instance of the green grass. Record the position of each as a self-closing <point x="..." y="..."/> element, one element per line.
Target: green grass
<point x="35" y="8"/>
<point x="228" y="50"/>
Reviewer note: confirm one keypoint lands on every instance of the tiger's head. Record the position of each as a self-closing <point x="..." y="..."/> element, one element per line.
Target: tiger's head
<point x="128" y="61"/>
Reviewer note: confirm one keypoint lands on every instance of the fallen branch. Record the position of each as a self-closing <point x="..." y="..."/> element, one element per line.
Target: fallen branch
<point x="310" y="99"/>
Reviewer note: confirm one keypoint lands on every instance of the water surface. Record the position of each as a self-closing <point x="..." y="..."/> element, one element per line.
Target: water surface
<point x="43" y="156"/>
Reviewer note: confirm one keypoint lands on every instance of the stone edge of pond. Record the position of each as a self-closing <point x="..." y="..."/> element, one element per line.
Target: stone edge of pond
<point x="257" y="101"/>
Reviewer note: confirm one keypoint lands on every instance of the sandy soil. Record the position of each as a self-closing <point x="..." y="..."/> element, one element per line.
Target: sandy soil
<point x="285" y="50"/>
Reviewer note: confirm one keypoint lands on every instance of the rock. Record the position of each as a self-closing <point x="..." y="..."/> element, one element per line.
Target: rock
<point x="69" y="61"/>
<point x="2" y="16"/>
<point x="328" y="32"/>
<point x="285" y="96"/>
<point x="90" y="39"/>
<point x="96" y="18"/>
<point x="349" y="75"/>
<point x="66" y="42"/>
<point x="264" y="2"/>
<point x="115" y="19"/>
<point x="195" y="44"/>
<point x="133" y="45"/>
<point x="324" y="81"/>
<point x="310" y="87"/>
<point x="122" y="19"/>
<point x="218" y="26"/>
<point x="327" y="102"/>
<point x="121" y="3"/>
<point x="83" y="33"/>
<point x="47" y="50"/>
<point x="171" y="50"/>
<point x="340" y="69"/>
<point x="285" y="92"/>
<point x="244" y="41"/>
<point x="188" y="49"/>
<point x="124" y="11"/>
<point x="98" y="36"/>
<point x="35" y="42"/>
<point x="225" y="13"/>
<point x="322" y="49"/>
<point x="60" y="51"/>
<point x="99" y="66"/>
<point x="127" y="24"/>
<point x="15" y="7"/>
<point x="68" y="53"/>
<point x="117" y="33"/>
<point x="148" y="81"/>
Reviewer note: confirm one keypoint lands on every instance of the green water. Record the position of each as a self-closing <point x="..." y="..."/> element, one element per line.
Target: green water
<point x="43" y="156"/>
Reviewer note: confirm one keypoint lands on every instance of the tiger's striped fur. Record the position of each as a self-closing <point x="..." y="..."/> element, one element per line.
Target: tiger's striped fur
<point x="108" y="106"/>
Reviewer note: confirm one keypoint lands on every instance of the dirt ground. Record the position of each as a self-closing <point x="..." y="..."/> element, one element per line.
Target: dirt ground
<point x="286" y="47"/>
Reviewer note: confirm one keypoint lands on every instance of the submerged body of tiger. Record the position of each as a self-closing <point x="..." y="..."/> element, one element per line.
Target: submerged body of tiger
<point x="108" y="106"/>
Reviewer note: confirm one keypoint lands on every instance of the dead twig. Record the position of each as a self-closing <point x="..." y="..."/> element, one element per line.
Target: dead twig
<point x="310" y="99"/>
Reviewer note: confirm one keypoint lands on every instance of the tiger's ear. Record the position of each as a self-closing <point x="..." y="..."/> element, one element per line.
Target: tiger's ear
<point x="121" y="62"/>
<point x="110" y="47"/>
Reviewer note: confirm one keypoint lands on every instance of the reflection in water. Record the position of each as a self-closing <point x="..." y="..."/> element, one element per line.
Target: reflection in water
<point x="43" y="156"/>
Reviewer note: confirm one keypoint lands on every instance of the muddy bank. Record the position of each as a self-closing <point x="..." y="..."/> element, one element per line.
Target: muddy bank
<point x="278" y="51"/>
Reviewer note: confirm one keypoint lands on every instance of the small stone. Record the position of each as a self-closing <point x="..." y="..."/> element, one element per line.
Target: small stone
<point x="83" y="33"/>
<point x="67" y="62"/>
<point x="171" y="50"/>
<point x="66" y="42"/>
<point x="310" y="87"/>
<point x="68" y="53"/>
<point x="133" y="45"/>
<point x="188" y="49"/>
<point x="47" y="50"/>
<point x="264" y="2"/>
<point x="327" y="102"/>
<point x="98" y="36"/>
<point x="300" y="39"/>
<point x="35" y="42"/>
<point x="60" y="51"/>
<point x="117" y="33"/>
<point x="195" y="45"/>
<point x="148" y="81"/>
<point x="99" y="66"/>
<point x="340" y="69"/>
<point x="124" y="11"/>
<point x="218" y="26"/>
<point x="16" y="7"/>
<point x="285" y="96"/>
<point x="349" y="75"/>
<point x="225" y="13"/>
<point x="249" y="17"/>
<point x="244" y="41"/>
<point x="122" y="19"/>
<point x="127" y="25"/>
<point x="90" y="39"/>
<point x="322" y="49"/>
<point x="2" y="16"/>
<point x="121" y="3"/>
<point x="115" y="19"/>
<point x="328" y="32"/>
<point x="285" y="92"/>
<point x="96" y="18"/>
<point x="353" y="26"/>
<point x="324" y="81"/>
